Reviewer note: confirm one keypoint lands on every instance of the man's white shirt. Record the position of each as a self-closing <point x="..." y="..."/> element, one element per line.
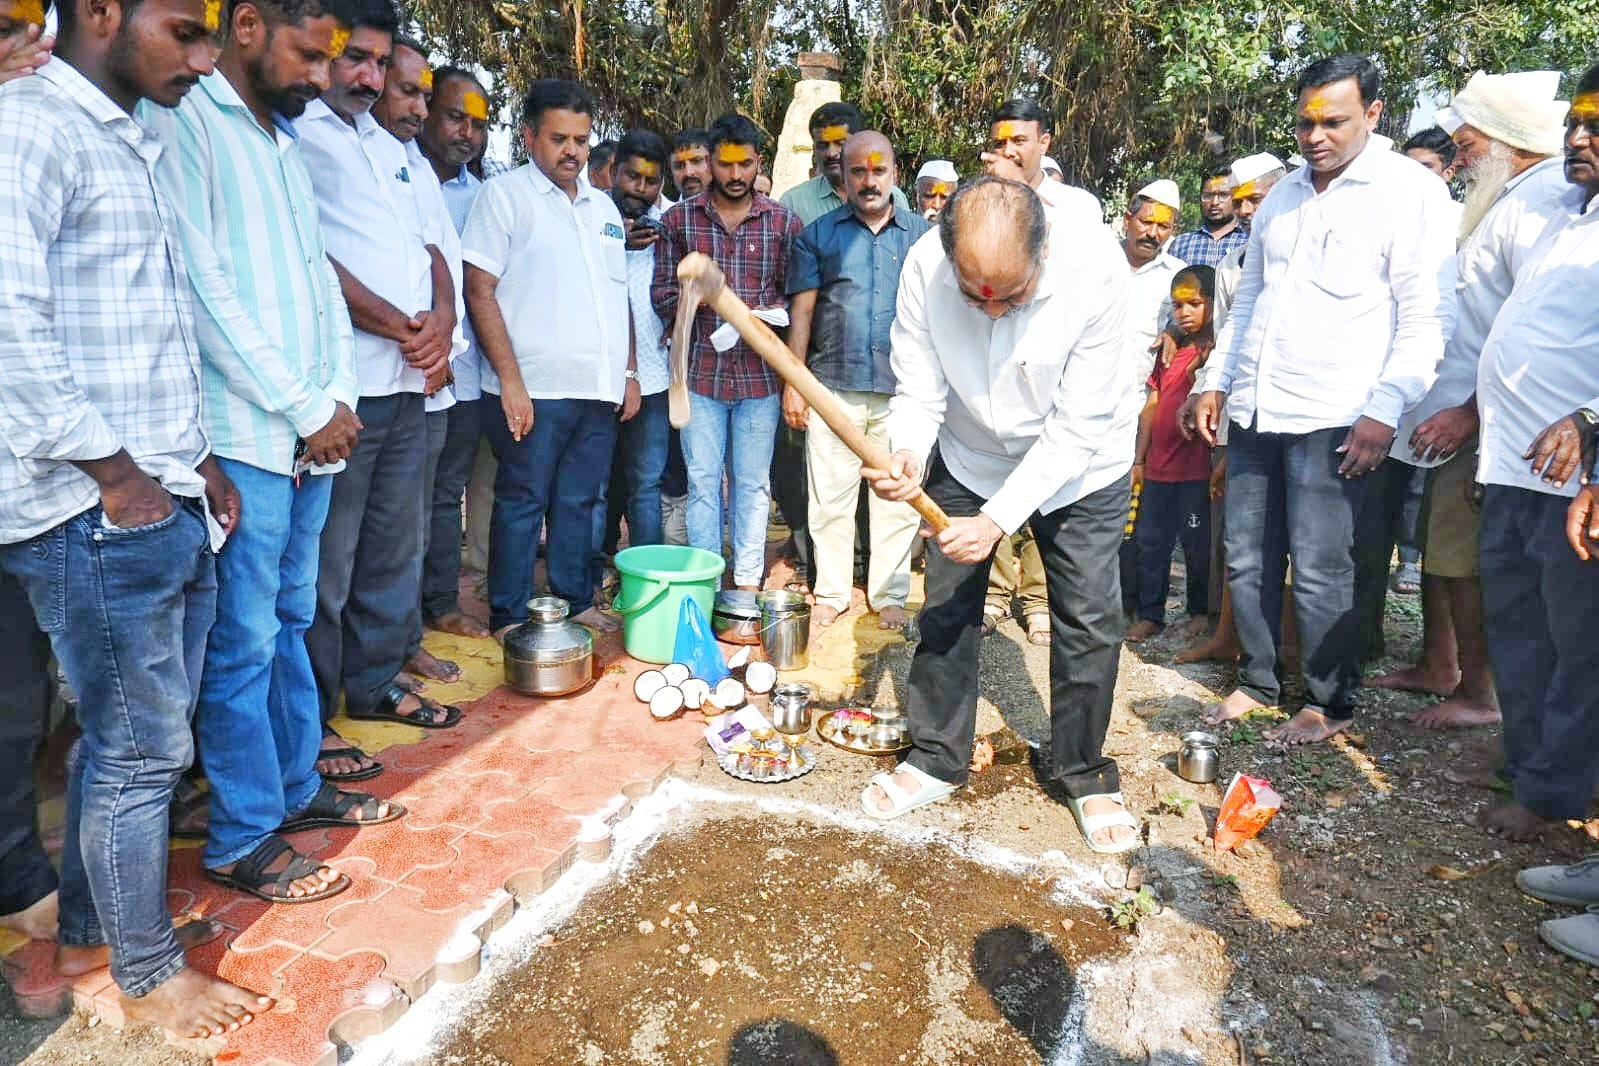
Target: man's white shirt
<point x="1538" y="363"/>
<point x="1148" y="310"/>
<point x="1027" y="410"/>
<point x="562" y="270"/>
<point x="1487" y="265"/>
<point x="373" y="229"/>
<point x="439" y="231"/>
<point x="1346" y="299"/>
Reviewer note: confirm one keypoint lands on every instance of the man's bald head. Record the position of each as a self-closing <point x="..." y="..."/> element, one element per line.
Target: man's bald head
<point x="996" y="237"/>
<point x="869" y="174"/>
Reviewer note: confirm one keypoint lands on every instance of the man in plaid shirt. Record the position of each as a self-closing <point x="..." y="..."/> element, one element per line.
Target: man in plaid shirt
<point x="736" y="398"/>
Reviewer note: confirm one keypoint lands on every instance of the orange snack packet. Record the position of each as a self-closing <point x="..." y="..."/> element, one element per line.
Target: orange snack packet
<point x="1249" y="804"/>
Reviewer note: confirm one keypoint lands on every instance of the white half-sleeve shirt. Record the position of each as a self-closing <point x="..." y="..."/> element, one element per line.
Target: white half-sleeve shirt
<point x="562" y="270"/>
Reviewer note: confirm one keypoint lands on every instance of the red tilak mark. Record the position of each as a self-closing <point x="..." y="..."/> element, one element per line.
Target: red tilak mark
<point x="988" y="292"/>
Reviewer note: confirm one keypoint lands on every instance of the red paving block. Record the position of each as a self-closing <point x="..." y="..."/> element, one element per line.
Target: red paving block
<point x="516" y="862"/>
<point x="410" y="959"/>
<point x="315" y="995"/>
<point x="262" y="925"/>
<point x="39" y="991"/>
<point x="391" y="850"/>
<point x="531" y="815"/>
<point x="445" y="798"/>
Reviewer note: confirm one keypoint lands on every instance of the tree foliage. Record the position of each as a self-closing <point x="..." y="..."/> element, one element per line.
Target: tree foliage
<point x="1138" y="86"/>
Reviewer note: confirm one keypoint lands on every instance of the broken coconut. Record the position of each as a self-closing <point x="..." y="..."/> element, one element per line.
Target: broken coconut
<point x="648" y="684"/>
<point x="728" y="694"/>
<point x="676" y="673"/>
<point x="760" y="677"/>
<point x="666" y="703"/>
<point x="695" y="693"/>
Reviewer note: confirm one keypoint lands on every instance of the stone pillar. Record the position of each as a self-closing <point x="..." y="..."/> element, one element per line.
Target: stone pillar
<point x="818" y="85"/>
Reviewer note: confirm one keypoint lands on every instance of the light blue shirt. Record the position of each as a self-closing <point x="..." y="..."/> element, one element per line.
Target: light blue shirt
<point x="654" y="374"/>
<point x="460" y="192"/>
<point x="276" y="344"/>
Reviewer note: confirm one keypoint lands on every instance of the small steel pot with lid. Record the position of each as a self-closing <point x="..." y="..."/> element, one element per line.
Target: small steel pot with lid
<point x="549" y="655"/>
<point x="736" y="617"/>
<point x="1199" y="759"/>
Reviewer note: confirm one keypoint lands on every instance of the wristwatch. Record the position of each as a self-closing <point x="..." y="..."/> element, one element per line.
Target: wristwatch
<point x="630" y="375"/>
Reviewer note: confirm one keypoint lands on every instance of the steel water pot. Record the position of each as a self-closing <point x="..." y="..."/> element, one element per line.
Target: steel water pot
<point x="549" y="655"/>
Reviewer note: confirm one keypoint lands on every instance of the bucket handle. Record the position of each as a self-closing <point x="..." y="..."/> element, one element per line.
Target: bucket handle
<point x="654" y="598"/>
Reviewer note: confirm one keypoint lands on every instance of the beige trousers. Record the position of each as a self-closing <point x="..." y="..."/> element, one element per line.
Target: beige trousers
<point x="833" y="475"/>
<point x="479" y="509"/>
<point x="1003" y="580"/>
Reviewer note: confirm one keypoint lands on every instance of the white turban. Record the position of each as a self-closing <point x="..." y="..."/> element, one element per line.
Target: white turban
<point x="1520" y="109"/>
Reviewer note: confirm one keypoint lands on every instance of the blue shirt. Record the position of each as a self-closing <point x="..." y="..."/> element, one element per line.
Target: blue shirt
<point x="857" y="274"/>
<point x="1198" y="248"/>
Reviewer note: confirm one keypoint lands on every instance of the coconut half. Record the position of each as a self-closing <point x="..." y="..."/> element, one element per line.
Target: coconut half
<point x="667" y="703"/>
<point x="760" y="677"/>
<point x="647" y="684"/>
<point x="676" y="673"/>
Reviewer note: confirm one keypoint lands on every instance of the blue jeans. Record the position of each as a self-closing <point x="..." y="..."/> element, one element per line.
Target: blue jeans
<point x="556" y="474"/>
<point x="259" y="722"/>
<point x="1540" y="610"/>
<point x="747" y="429"/>
<point x="1285" y="497"/>
<point x="1170" y="512"/>
<point x="642" y="443"/>
<point x="441" y="566"/>
<point x="127" y="612"/>
<point x="24" y="710"/>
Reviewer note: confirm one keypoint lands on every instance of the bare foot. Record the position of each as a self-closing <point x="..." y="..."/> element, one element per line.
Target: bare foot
<point x="37" y="921"/>
<point x="991" y="620"/>
<point x="425" y="664"/>
<point x="1141" y="631"/>
<point x="1215" y="648"/>
<point x="1310" y="726"/>
<point x="1457" y="712"/>
<point x="597" y="620"/>
<point x="344" y="764"/>
<point x="982" y="755"/>
<point x="1038" y="631"/>
<point x="74" y="961"/>
<point x="1236" y="705"/>
<point x="1513" y="821"/>
<point x="408" y="681"/>
<point x="823" y="616"/>
<point x="892" y="617"/>
<point x="1116" y="834"/>
<point x="459" y="623"/>
<point x="196" y="1005"/>
<point x="1418" y="679"/>
<point x="1195" y="627"/>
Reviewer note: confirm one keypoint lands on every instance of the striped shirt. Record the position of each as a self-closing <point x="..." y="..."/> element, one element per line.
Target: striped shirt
<point x="97" y="348"/>
<point x="276" y="345"/>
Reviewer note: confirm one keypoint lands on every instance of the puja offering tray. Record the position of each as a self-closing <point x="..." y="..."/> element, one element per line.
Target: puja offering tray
<point x="767" y="763"/>
<point x="879" y="731"/>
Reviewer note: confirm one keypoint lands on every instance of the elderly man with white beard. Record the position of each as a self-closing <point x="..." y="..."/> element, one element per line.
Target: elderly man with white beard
<point x="1509" y="129"/>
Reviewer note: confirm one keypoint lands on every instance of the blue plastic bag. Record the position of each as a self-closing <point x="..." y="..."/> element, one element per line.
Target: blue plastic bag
<point x="696" y="646"/>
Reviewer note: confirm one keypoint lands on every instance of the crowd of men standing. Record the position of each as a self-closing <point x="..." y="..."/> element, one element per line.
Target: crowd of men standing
<point x="267" y="312"/>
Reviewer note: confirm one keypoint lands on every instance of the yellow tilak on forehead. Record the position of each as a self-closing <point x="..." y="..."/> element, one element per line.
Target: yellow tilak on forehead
<point x="940" y="188"/>
<point x="647" y="168"/>
<point x="1585" y="107"/>
<point x="1186" y="293"/>
<point x="734" y="153"/>
<point x="1244" y="191"/>
<point x="874" y="159"/>
<point x="1004" y="131"/>
<point x="341" y="37"/>
<point x="1316" y="108"/>
<point x="425" y="79"/>
<point x="213" y="15"/>
<point x="833" y="134"/>
<point x="475" y="106"/>
<point x="30" y="11"/>
<point x="1160" y="214"/>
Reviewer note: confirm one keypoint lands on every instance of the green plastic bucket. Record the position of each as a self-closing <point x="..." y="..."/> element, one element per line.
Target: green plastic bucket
<point x="655" y="579"/>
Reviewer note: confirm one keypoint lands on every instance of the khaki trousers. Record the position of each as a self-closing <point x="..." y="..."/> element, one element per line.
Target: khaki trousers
<point x="1002" y="576"/>
<point x="833" y="477"/>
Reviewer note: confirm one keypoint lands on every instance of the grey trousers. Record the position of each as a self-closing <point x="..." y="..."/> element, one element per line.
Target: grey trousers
<point x="371" y="577"/>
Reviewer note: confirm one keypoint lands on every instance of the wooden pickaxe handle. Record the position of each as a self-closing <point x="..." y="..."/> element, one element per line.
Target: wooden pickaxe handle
<point x="699" y="273"/>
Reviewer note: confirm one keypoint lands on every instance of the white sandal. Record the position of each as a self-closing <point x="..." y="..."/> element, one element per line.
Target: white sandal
<point x="1089" y="824"/>
<point x="932" y="791"/>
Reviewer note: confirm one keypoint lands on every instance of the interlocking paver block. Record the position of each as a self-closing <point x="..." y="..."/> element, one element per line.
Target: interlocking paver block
<point x="412" y="958"/>
<point x="315" y="994"/>
<point x="515" y="862"/>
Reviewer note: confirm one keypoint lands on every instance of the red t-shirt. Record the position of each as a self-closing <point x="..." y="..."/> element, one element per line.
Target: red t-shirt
<point x="1170" y="457"/>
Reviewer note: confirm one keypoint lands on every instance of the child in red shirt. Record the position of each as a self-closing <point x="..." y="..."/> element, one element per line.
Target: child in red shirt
<point x="1174" y="472"/>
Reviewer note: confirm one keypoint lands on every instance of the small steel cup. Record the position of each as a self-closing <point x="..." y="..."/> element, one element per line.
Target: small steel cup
<point x="1199" y="759"/>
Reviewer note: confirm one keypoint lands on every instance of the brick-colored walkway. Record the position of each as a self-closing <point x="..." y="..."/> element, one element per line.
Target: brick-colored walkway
<point x="499" y="807"/>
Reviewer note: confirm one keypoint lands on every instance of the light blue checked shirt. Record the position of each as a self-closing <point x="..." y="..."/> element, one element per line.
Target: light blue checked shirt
<point x="276" y="344"/>
<point x="97" y="347"/>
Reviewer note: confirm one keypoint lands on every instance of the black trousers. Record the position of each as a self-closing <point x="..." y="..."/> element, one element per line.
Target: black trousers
<point x="26" y="875"/>
<point x="792" y="496"/>
<point x="1540" y="608"/>
<point x="1171" y="512"/>
<point x="1384" y="521"/>
<point x="1078" y="544"/>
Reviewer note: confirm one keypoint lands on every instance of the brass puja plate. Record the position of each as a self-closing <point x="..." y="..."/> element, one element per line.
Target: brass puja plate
<point x="763" y="771"/>
<point x="828" y="728"/>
